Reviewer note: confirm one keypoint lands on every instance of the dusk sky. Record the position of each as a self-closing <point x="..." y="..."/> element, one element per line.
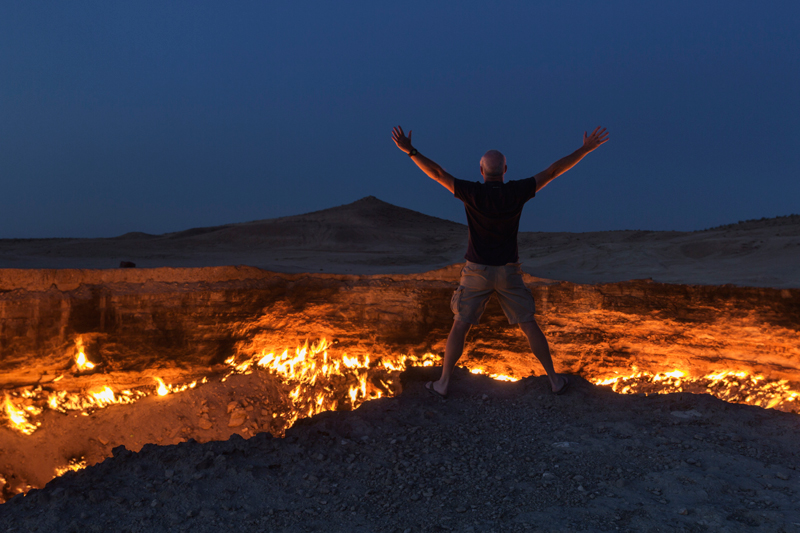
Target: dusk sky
<point x="163" y="116"/>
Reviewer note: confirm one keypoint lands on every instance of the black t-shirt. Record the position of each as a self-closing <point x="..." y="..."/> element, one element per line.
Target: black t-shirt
<point x="493" y="211"/>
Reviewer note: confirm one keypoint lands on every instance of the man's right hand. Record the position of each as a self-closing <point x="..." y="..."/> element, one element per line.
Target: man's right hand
<point x="590" y="142"/>
<point x="400" y="139"/>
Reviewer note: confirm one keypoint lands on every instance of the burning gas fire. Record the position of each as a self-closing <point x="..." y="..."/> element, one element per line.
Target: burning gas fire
<point x="18" y="417"/>
<point x="318" y="381"/>
<point x="734" y="387"/>
<point x="73" y="466"/>
<point x="315" y="382"/>
<point x="498" y="377"/>
<point x="82" y="363"/>
<point x="162" y="389"/>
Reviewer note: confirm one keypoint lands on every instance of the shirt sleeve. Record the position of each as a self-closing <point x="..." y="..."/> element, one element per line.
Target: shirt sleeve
<point x="461" y="189"/>
<point x="527" y="188"/>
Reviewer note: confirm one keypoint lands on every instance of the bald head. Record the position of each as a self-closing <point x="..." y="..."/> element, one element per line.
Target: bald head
<point x="493" y="166"/>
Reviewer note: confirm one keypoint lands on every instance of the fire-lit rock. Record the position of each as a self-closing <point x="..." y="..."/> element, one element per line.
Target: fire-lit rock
<point x="171" y="341"/>
<point x="188" y="321"/>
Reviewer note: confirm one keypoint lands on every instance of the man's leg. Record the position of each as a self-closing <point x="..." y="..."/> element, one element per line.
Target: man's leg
<point x="452" y="352"/>
<point x="541" y="350"/>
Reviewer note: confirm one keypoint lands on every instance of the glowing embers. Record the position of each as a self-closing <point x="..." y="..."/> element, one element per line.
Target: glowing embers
<point x="320" y="383"/>
<point x="734" y="387"/>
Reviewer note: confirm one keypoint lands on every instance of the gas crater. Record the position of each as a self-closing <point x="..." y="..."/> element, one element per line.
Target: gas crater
<point x="95" y="359"/>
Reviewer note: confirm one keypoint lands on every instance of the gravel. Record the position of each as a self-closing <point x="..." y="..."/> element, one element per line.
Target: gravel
<point x="494" y="456"/>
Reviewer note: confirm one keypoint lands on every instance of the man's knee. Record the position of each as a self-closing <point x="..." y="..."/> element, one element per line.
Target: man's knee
<point x="461" y="325"/>
<point x="530" y="326"/>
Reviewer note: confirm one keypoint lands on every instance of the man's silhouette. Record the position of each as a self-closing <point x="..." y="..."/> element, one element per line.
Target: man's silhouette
<point x="493" y="210"/>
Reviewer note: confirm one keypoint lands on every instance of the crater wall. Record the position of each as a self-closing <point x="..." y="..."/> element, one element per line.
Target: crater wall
<point x="190" y="319"/>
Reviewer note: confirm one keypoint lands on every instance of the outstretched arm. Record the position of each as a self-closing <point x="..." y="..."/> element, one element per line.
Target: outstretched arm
<point x="428" y="167"/>
<point x="590" y="142"/>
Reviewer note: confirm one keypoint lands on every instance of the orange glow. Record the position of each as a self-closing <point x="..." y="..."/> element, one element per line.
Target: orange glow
<point x="81" y="361"/>
<point x="17" y="418"/>
<point x="731" y="386"/>
<point x="315" y="381"/>
<point x="64" y="402"/>
<point x="318" y="382"/>
<point x="73" y="466"/>
<point x="162" y="389"/>
<point x="498" y="377"/>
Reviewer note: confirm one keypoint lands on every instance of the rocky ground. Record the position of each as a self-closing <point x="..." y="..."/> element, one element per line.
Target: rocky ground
<point x="495" y="456"/>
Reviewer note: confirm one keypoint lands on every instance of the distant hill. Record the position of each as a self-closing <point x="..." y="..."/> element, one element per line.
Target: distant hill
<point x="365" y="224"/>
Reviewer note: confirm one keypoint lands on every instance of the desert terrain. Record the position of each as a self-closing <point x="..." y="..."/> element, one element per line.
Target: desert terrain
<point x="371" y="236"/>
<point x="375" y="279"/>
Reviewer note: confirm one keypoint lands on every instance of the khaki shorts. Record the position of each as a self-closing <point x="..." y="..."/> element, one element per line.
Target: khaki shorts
<point x="479" y="282"/>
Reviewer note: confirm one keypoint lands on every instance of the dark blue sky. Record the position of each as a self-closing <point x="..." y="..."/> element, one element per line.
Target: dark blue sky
<point x="161" y="116"/>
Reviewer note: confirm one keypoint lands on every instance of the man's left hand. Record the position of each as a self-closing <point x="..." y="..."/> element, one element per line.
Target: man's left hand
<point x="400" y="139"/>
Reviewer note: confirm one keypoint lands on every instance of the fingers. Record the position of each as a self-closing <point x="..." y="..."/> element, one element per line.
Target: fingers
<point x="397" y="135"/>
<point x="599" y="135"/>
<point x="400" y="139"/>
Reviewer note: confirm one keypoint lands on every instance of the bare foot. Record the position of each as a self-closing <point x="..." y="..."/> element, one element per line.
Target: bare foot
<point x="559" y="385"/>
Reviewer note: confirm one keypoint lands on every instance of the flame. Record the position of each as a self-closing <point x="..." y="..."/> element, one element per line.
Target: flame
<point x="64" y="401"/>
<point x="73" y="466"/>
<point x="162" y="389"/>
<point x="104" y="397"/>
<point x="498" y="377"/>
<point x="82" y="362"/>
<point x="728" y="385"/>
<point x="316" y="382"/>
<point x="17" y="418"/>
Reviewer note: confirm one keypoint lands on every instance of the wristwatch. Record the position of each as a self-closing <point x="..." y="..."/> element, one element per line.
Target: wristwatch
<point x="413" y="152"/>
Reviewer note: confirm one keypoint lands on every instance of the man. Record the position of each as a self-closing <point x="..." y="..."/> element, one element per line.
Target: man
<point x="493" y="210"/>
